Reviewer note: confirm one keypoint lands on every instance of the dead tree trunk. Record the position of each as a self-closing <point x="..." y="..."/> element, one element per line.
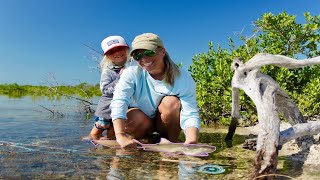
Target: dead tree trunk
<point x="269" y="99"/>
<point x="235" y="114"/>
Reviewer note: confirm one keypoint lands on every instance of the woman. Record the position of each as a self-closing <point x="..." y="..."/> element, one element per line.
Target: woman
<point x="155" y="96"/>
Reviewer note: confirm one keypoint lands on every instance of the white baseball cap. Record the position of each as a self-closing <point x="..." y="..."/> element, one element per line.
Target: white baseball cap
<point x="112" y="42"/>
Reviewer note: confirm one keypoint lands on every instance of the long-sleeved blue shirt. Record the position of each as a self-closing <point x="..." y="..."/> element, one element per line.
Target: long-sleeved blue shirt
<point x="136" y="88"/>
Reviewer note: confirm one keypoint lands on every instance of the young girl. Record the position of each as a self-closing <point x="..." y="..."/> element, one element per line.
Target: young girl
<point x="116" y="54"/>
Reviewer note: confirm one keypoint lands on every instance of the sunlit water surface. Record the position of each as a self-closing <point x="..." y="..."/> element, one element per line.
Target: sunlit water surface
<point x="37" y="144"/>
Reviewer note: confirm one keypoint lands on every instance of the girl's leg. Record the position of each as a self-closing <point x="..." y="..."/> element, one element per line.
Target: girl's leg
<point x="168" y="118"/>
<point x="110" y="133"/>
<point x="96" y="131"/>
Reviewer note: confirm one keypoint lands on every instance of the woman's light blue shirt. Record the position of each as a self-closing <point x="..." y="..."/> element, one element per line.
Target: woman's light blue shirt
<point x="136" y="88"/>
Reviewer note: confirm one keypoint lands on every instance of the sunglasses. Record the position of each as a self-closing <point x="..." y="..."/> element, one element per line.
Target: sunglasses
<point x="137" y="56"/>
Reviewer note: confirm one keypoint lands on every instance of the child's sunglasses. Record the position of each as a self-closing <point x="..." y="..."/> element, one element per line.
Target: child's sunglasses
<point x="137" y="56"/>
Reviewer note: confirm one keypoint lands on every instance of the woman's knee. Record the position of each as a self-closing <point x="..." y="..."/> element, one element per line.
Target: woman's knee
<point x="138" y="121"/>
<point x="170" y="104"/>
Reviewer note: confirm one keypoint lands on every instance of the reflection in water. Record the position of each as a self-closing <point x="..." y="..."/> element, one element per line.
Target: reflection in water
<point x="119" y="164"/>
<point x="36" y="145"/>
<point x="187" y="170"/>
<point x="115" y="171"/>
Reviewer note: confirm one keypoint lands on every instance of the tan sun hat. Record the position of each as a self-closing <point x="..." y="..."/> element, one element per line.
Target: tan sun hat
<point x="148" y="41"/>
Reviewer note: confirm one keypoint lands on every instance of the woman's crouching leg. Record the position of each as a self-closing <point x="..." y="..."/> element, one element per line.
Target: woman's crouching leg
<point x="168" y="118"/>
<point x="138" y="124"/>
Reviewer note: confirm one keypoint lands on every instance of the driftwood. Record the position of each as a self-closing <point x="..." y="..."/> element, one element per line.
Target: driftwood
<point x="270" y="100"/>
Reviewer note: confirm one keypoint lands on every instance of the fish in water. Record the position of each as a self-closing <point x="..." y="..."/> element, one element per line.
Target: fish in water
<point x="169" y="148"/>
<point x="105" y="142"/>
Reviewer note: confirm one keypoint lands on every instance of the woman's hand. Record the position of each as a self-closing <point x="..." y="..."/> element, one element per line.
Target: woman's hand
<point x="190" y="142"/>
<point x="191" y="135"/>
<point x="122" y="138"/>
<point x="125" y="141"/>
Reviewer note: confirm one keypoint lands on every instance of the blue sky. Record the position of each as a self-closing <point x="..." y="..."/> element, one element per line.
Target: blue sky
<point x="41" y="39"/>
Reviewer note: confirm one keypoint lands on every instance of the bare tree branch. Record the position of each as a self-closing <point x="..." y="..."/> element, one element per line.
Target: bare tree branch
<point x="270" y="100"/>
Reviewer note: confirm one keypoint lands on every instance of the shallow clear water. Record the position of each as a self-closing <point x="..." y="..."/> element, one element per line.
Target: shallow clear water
<point x="35" y="144"/>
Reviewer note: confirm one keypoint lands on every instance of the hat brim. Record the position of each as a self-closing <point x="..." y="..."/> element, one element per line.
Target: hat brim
<point x="146" y="46"/>
<point x="117" y="45"/>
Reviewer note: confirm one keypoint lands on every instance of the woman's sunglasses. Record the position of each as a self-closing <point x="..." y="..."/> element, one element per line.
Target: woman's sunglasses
<point x="137" y="56"/>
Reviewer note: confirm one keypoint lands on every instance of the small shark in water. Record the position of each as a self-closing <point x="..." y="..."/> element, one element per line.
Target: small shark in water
<point x="169" y="148"/>
<point x="107" y="143"/>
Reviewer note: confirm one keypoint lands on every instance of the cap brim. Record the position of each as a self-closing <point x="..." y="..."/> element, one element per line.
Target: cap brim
<point x="119" y="45"/>
<point x="146" y="46"/>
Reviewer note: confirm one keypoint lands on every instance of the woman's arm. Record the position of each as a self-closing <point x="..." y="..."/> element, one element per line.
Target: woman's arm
<point x="119" y="106"/>
<point x="121" y="136"/>
<point x="189" y="114"/>
<point x="191" y="134"/>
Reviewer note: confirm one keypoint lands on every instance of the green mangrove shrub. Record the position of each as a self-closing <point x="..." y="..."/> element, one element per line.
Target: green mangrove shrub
<point x="82" y="90"/>
<point x="274" y="34"/>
